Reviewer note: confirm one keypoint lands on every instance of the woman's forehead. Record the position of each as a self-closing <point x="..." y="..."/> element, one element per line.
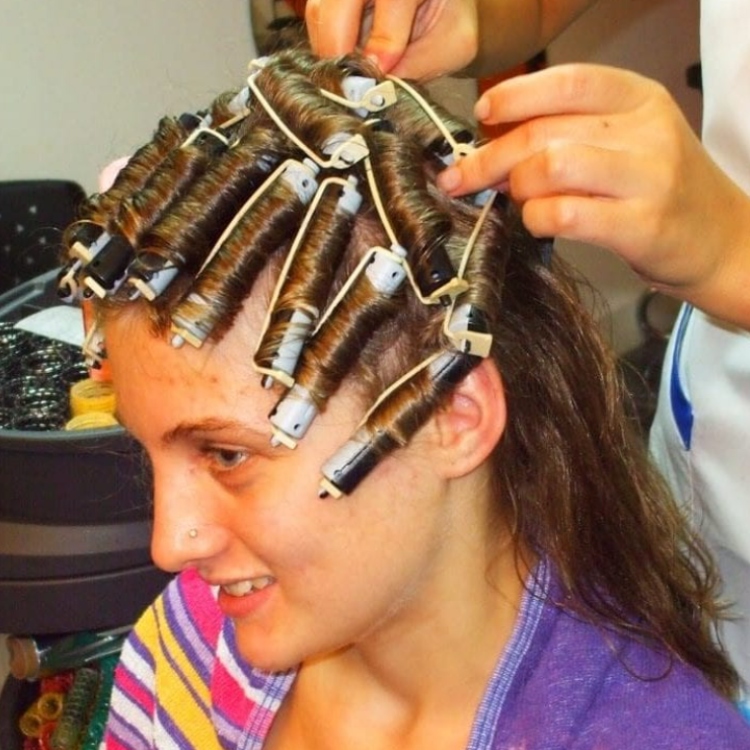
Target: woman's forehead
<point x="156" y="383"/>
<point x="131" y="339"/>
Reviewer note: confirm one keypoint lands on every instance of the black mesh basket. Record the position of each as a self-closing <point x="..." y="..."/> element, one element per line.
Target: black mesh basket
<point x="74" y="511"/>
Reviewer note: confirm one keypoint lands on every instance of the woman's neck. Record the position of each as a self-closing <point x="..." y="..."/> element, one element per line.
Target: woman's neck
<point x="398" y="687"/>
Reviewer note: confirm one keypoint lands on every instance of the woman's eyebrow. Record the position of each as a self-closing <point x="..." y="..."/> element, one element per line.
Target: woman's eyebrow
<point x="188" y="430"/>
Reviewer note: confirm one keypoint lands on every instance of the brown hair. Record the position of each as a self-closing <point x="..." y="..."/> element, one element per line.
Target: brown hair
<point x="571" y="474"/>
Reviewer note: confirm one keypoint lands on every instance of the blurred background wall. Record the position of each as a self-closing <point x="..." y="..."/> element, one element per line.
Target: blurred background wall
<point x="84" y="81"/>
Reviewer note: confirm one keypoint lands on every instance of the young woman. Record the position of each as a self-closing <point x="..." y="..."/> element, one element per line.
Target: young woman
<point x="391" y="466"/>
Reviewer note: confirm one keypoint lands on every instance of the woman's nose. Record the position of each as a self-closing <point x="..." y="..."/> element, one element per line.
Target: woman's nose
<point x="186" y="528"/>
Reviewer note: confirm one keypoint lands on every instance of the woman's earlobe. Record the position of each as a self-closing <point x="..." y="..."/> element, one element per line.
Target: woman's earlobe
<point x="470" y="426"/>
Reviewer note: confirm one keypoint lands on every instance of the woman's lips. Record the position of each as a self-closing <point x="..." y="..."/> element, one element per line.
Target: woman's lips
<point x="244" y="598"/>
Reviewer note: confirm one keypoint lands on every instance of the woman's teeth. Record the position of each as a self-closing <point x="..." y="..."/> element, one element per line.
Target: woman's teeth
<point x="243" y="588"/>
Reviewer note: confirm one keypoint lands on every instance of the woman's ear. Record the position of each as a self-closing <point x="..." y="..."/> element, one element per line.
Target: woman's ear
<point x="472" y="423"/>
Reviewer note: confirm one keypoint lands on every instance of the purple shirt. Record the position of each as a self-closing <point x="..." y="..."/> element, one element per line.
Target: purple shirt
<point x="564" y="683"/>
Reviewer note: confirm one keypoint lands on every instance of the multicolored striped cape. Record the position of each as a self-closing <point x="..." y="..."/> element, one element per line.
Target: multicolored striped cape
<point x="183" y="651"/>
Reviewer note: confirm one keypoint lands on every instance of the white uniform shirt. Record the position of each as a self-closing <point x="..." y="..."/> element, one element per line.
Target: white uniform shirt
<point x="701" y="435"/>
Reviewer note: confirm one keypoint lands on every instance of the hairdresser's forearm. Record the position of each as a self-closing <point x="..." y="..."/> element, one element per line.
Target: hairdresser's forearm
<point x="512" y="31"/>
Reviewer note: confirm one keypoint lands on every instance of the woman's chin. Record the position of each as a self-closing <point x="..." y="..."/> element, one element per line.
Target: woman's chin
<point x="264" y="653"/>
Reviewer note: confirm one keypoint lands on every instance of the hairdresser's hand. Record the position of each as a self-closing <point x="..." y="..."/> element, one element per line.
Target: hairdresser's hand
<point x="410" y="38"/>
<point x="605" y="156"/>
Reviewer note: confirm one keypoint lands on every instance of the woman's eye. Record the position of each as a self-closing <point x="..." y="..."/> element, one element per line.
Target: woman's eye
<point x="226" y="458"/>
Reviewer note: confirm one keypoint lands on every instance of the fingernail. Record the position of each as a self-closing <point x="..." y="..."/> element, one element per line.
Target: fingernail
<point x="449" y="179"/>
<point x="482" y="109"/>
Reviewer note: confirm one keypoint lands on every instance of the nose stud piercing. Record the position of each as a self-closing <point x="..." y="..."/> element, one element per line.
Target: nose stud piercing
<point x="193" y="533"/>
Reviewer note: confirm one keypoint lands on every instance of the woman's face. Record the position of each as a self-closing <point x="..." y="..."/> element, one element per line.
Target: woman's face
<point x="299" y="575"/>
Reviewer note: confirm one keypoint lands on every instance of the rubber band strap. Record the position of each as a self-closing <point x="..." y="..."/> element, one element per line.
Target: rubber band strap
<point x="353" y="277"/>
<point x="396" y="384"/>
<point x="458" y="148"/>
<point x="396" y="247"/>
<point x="270" y="180"/>
<point x="353" y="145"/>
<point x="480" y="344"/>
<point x="457" y="285"/>
<point x="199" y="131"/>
<point x="279" y="375"/>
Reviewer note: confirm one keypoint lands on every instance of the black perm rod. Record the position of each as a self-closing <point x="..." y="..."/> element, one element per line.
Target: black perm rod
<point x="106" y="271"/>
<point x="344" y="471"/>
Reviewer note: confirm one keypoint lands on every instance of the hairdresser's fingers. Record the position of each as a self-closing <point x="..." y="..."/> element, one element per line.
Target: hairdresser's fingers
<point x="653" y="126"/>
<point x="491" y="163"/>
<point x="612" y="198"/>
<point x="386" y="27"/>
<point x="393" y="26"/>
<point x="450" y="26"/>
<point x="589" y="219"/>
<point x="488" y="166"/>
<point x="565" y="89"/>
<point x="627" y="201"/>
<point x="583" y="169"/>
<point x="624" y="227"/>
<point x="334" y="25"/>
